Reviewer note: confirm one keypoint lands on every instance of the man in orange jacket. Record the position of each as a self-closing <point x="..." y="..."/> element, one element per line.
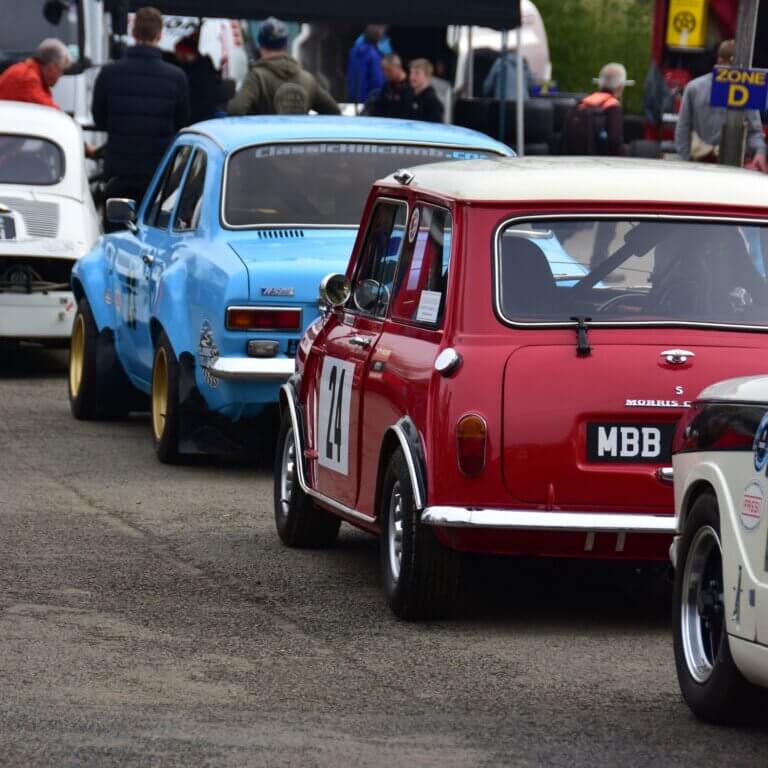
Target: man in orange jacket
<point x="32" y="80"/>
<point x="596" y="125"/>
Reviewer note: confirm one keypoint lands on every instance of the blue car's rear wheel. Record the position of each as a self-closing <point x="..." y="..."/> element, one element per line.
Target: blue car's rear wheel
<point x="164" y="402"/>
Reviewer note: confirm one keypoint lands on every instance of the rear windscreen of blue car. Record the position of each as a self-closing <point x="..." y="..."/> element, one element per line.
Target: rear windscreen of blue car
<point x="317" y="183"/>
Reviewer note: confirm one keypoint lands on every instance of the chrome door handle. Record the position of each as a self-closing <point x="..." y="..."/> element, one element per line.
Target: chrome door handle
<point x="360" y="341"/>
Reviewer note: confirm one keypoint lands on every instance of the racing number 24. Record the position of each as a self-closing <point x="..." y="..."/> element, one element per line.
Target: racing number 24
<point x="332" y="430"/>
<point x="334" y="415"/>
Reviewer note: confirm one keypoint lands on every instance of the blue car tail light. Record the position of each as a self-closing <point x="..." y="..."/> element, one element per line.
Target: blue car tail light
<point x="264" y="319"/>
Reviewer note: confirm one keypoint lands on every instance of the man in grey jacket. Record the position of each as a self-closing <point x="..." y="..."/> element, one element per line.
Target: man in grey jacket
<point x="277" y="84"/>
<point x="700" y="125"/>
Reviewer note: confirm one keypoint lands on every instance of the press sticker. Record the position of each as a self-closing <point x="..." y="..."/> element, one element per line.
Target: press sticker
<point x="414" y="228"/>
<point x="752" y="506"/>
<point x="429" y="306"/>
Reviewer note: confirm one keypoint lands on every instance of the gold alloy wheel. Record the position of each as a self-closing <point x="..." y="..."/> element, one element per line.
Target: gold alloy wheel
<point x="159" y="393"/>
<point x="77" y="356"/>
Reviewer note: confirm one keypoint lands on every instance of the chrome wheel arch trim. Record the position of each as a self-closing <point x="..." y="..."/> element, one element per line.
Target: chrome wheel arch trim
<point x="288" y="392"/>
<point x="398" y="429"/>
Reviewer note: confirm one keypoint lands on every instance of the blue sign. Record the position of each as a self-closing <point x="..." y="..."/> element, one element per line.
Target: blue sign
<point x="739" y="88"/>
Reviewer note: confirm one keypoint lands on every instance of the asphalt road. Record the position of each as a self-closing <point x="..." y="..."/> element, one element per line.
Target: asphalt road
<point x="150" y="616"/>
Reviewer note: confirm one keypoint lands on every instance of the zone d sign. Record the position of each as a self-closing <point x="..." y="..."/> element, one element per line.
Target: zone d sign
<point x="736" y="88"/>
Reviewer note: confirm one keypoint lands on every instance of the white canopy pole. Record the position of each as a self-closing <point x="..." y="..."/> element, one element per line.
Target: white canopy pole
<point x="470" y="66"/>
<point x="520" y="86"/>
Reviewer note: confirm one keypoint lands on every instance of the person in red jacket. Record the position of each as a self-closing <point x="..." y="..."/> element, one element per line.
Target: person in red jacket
<point x="32" y="80"/>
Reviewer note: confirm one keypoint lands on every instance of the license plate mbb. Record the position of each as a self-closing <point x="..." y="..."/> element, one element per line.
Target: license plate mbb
<point x="617" y="443"/>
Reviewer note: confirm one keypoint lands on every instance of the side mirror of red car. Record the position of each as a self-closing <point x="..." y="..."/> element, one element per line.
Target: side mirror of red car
<point x="334" y="290"/>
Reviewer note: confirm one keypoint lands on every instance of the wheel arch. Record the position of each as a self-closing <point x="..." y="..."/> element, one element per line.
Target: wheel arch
<point x="692" y="493"/>
<point x="404" y="435"/>
<point x="88" y="282"/>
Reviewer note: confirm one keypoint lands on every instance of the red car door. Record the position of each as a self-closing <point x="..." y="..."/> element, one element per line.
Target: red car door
<point x="350" y="338"/>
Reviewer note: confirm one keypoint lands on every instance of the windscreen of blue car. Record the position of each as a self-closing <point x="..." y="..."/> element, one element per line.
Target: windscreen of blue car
<point x="317" y="183"/>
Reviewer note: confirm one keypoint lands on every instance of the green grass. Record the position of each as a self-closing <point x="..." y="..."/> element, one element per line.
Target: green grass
<point x="585" y="34"/>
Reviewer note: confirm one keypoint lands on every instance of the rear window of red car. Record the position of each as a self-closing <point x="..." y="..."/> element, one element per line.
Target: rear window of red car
<point x="633" y="271"/>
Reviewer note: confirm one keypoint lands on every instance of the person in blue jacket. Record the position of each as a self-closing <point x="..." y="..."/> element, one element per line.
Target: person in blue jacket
<point x="364" y="73"/>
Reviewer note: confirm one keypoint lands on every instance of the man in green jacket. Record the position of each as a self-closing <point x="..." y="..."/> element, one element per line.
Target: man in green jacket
<point x="276" y="84"/>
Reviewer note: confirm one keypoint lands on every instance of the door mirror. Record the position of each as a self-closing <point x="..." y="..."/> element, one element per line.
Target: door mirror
<point x="335" y="290"/>
<point x="121" y="210"/>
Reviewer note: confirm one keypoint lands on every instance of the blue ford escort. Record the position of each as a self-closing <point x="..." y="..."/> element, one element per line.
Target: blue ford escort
<point x="201" y="301"/>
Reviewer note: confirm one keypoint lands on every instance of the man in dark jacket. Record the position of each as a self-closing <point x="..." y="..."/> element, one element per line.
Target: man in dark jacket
<point x="394" y="99"/>
<point x="141" y="101"/>
<point x="424" y="103"/>
<point x="277" y="84"/>
<point x="202" y="77"/>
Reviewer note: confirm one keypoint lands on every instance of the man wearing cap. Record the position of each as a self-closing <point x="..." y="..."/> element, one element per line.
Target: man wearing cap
<point x="596" y="125"/>
<point x="32" y="80"/>
<point x="277" y="84"/>
<point x="700" y="126"/>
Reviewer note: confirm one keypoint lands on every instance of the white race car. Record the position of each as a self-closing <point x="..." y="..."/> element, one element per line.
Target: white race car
<point x="47" y="221"/>
<point x="720" y="554"/>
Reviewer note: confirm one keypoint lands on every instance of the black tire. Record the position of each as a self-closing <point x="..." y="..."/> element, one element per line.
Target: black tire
<point x="98" y="387"/>
<point x="725" y="697"/>
<point x="299" y="522"/>
<point x="427" y="582"/>
<point x="165" y="413"/>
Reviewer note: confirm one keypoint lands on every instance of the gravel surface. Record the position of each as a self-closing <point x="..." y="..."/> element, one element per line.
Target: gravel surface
<point x="150" y="616"/>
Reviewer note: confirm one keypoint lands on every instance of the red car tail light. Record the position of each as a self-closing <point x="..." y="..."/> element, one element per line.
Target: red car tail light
<point x="471" y="438"/>
<point x="263" y="319"/>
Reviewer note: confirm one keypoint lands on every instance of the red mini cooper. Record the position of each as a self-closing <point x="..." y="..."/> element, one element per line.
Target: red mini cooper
<point x="502" y="367"/>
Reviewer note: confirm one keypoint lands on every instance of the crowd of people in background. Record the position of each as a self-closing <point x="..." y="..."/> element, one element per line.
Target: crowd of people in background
<point x="144" y="98"/>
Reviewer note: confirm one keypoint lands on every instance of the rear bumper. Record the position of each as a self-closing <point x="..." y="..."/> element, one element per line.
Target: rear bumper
<point x="253" y="368"/>
<point x="37" y="315"/>
<point x="542" y="520"/>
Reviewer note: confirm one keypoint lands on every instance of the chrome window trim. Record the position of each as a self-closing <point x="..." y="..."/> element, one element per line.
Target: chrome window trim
<point x="613" y="323"/>
<point x="226" y="225"/>
<point x="299" y="438"/>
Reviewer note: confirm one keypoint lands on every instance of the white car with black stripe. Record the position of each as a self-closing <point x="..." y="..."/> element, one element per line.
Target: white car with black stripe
<point x="721" y="552"/>
<point x="47" y="221"/>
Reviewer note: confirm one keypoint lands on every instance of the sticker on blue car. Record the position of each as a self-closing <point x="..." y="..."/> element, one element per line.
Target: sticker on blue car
<point x="208" y="354"/>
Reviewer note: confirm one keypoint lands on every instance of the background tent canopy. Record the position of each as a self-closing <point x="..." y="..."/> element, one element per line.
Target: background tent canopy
<point x="500" y="14"/>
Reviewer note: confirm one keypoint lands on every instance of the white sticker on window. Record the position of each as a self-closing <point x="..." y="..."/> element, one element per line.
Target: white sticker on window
<point x="332" y="438"/>
<point x="429" y="306"/>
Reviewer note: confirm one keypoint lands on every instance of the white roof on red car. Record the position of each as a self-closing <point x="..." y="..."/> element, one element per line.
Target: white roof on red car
<point x="590" y="178"/>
